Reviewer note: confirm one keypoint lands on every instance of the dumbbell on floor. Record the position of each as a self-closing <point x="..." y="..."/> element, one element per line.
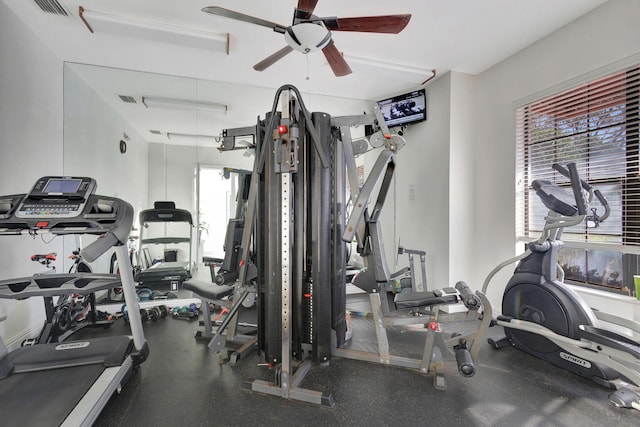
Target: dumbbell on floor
<point x="152" y="313"/>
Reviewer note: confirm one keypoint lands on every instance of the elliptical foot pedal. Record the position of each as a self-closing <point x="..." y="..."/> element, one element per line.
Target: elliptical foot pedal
<point x="501" y="343"/>
<point x="625" y="398"/>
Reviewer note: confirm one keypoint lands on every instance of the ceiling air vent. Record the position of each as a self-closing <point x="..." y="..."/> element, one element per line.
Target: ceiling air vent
<point x="155" y="132"/>
<point x="128" y="99"/>
<point x="52" y="6"/>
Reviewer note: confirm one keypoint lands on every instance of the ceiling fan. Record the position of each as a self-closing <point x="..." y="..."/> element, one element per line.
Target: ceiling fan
<point x="309" y="33"/>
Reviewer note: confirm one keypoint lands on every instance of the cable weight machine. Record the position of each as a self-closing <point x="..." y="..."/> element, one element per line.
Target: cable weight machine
<point x="296" y="226"/>
<point x="293" y="248"/>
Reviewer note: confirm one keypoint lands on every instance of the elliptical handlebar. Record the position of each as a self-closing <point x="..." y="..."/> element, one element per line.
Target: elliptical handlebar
<point x="571" y="172"/>
<point x="577" y="190"/>
<point x="566" y="173"/>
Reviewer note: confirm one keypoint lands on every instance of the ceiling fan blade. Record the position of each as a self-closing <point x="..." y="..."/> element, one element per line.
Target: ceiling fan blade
<point x="336" y="61"/>
<point x="391" y="24"/>
<point x="272" y="59"/>
<point x="308" y="6"/>
<point x="220" y="11"/>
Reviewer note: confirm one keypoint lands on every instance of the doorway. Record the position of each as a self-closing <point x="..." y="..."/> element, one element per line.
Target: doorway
<point x="215" y="205"/>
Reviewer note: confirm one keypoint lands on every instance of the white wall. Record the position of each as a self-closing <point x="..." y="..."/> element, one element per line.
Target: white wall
<point x="604" y="36"/>
<point x="31" y="144"/>
<point x="422" y="186"/>
<point x="462" y="206"/>
<point x="434" y="188"/>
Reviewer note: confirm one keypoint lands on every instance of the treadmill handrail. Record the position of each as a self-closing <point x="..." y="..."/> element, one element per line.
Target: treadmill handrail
<point x="57" y="284"/>
<point x="165" y="215"/>
<point x="165" y="240"/>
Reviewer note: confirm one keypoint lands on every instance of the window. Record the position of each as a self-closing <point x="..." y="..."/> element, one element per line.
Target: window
<point x="594" y="125"/>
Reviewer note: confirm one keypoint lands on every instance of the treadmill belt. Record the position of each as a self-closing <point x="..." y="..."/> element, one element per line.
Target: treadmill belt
<point x="44" y="398"/>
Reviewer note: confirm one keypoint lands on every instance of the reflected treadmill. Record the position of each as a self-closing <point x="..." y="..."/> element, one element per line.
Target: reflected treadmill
<point x="164" y="231"/>
<point x="68" y="383"/>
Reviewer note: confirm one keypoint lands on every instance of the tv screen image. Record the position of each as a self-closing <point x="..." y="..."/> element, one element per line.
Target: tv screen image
<point x="404" y="109"/>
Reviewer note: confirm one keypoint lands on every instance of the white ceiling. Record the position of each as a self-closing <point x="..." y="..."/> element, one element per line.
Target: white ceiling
<point x="463" y="35"/>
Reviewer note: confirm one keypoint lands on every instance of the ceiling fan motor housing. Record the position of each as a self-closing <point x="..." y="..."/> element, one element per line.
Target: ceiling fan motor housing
<point x="307" y="37"/>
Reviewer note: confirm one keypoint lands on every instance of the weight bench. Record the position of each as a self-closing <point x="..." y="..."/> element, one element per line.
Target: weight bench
<point x="210" y="292"/>
<point x="207" y="292"/>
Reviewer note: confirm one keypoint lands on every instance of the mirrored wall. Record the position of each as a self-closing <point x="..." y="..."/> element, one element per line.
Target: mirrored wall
<point x="117" y="130"/>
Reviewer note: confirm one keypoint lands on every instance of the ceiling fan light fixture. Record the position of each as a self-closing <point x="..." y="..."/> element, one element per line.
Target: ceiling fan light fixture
<point x="307" y="37"/>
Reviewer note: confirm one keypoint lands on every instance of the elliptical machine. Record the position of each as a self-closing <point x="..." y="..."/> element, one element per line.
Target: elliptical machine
<point x="545" y="318"/>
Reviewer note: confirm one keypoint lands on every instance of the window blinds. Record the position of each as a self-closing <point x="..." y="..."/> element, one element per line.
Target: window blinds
<point x="596" y="126"/>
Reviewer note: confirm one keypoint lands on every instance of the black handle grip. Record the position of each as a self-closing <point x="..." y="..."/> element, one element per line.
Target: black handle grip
<point x="577" y="188"/>
<point x="561" y="170"/>
<point x="565" y="172"/>
<point x="587" y="187"/>
<point x="604" y="203"/>
<point x="469" y="298"/>
<point x="466" y="367"/>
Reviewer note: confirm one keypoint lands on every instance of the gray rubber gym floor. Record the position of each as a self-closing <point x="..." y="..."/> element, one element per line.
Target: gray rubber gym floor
<point x="183" y="384"/>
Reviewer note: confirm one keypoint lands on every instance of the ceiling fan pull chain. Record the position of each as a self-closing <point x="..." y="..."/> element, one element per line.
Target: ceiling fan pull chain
<point x="307" y="56"/>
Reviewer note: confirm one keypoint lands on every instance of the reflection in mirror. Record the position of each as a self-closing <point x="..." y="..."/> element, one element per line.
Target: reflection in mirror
<point x="167" y="146"/>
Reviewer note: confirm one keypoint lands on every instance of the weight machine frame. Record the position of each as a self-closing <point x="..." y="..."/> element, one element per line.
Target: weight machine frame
<point x="296" y="222"/>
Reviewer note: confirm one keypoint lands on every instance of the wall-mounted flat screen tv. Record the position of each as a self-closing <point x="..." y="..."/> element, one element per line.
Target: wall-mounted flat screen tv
<point x="404" y="109"/>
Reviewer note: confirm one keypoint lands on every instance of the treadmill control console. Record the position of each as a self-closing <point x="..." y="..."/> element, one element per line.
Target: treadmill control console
<point x="56" y="197"/>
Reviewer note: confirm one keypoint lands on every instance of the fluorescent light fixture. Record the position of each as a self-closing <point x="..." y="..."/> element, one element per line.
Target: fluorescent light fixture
<point x="414" y="73"/>
<point x="190" y="139"/>
<point x="125" y="26"/>
<point x="183" y="104"/>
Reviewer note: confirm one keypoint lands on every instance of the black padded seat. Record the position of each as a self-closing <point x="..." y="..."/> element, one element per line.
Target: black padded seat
<point x="207" y="290"/>
<point x="421" y="299"/>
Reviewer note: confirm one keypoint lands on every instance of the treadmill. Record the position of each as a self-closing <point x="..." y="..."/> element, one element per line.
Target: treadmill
<point x="165" y="231"/>
<point x="68" y="383"/>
